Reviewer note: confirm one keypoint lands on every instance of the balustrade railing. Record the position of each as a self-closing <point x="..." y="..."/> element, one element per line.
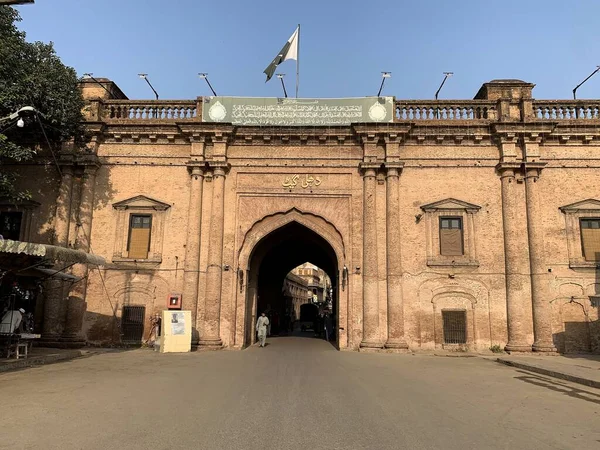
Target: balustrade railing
<point x="411" y="110"/>
<point x="445" y="110"/>
<point x="566" y="109"/>
<point x="149" y="110"/>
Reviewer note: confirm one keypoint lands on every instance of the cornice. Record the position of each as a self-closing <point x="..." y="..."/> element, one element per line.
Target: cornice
<point x="537" y="127"/>
<point x="446" y="133"/>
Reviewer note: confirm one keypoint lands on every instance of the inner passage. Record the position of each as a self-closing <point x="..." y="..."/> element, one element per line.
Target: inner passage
<point x="297" y="276"/>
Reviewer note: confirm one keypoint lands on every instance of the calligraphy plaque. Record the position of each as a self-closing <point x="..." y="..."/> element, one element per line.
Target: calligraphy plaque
<point x="307" y="181"/>
<point x="297" y="112"/>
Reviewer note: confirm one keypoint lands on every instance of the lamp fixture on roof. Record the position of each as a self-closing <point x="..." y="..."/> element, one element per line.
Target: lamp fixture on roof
<point x="384" y="75"/>
<point x="204" y="76"/>
<point x="144" y="76"/>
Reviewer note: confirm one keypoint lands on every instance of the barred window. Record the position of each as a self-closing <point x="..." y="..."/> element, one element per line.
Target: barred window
<point x="139" y="236"/>
<point x="590" y="239"/>
<point x="451" y="236"/>
<point x="455" y="327"/>
<point x="132" y="324"/>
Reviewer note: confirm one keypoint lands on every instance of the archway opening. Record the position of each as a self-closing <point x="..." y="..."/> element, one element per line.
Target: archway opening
<point x="274" y="262"/>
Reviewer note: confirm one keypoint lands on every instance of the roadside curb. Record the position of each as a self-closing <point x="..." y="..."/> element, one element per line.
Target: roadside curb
<point x="43" y="360"/>
<point x="550" y="373"/>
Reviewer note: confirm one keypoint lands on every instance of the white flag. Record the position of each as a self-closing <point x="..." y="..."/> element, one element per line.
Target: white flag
<point x="292" y="52"/>
<point x="289" y="51"/>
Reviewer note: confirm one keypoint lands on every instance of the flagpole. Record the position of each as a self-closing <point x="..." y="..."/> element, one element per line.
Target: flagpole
<point x="298" y="63"/>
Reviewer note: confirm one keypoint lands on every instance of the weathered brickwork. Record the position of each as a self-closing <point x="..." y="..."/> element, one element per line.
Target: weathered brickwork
<point x="504" y="164"/>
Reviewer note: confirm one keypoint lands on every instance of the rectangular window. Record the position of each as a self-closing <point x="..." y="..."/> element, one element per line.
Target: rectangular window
<point x="451" y="236"/>
<point x="138" y="244"/>
<point x="10" y="225"/>
<point x="455" y="327"/>
<point x="590" y="239"/>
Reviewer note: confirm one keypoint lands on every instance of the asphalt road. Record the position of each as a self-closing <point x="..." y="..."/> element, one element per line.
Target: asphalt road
<point x="297" y="393"/>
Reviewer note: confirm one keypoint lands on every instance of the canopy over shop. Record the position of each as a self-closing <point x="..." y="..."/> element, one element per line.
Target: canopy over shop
<point x="25" y="266"/>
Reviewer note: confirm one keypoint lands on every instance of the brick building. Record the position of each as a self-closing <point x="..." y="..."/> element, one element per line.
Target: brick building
<point x="457" y="223"/>
<point x="317" y="281"/>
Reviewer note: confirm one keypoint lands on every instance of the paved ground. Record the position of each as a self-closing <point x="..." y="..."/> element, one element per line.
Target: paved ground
<point x="297" y="393"/>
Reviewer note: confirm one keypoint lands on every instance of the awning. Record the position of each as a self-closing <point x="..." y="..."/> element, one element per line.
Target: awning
<point x="50" y="252"/>
<point x="41" y="272"/>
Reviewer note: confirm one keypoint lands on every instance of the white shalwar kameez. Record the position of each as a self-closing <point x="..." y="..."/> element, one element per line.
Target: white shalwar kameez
<point x="261" y="327"/>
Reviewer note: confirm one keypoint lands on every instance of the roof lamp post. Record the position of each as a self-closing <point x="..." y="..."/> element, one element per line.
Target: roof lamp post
<point x="204" y="76"/>
<point x="280" y="76"/>
<point x="144" y="76"/>
<point x="446" y="76"/>
<point x="384" y="75"/>
<point x="577" y="87"/>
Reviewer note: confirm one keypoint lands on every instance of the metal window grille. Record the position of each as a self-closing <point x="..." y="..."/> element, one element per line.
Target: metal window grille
<point x="455" y="327"/>
<point x="132" y="324"/>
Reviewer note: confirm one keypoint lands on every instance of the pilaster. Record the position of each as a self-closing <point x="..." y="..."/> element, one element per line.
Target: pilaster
<point x="76" y="305"/>
<point x="54" y="304"/>
<point x="63" y="207"/>
<point x="542" y="314"/>
<point x="210" y="336"/>
<point x="516" y="257"/>
<point x="371" y="333"/>
<point x="192" y="248"/>
<point x="395" y="303"/>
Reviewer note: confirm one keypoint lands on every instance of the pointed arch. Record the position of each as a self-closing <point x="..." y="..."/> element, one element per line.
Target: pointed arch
<point x="268" y="224"/>
<point x="252" y="251"/>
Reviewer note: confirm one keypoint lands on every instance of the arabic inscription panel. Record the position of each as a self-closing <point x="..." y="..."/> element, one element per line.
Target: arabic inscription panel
<point x="295" y="180"/>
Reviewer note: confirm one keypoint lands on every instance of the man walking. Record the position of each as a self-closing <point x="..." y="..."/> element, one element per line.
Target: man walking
<point x="261" y="327"/>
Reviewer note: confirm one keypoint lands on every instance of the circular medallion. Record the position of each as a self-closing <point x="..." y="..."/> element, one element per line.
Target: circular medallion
<point x="217" y="112"/>
<point x="377" y="112"/>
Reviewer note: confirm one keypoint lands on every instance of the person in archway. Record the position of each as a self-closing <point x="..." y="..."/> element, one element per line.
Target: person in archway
<point x="261" y="327"/>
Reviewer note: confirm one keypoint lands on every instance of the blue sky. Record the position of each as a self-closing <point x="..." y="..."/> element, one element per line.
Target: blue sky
<point x="344" y="44"/>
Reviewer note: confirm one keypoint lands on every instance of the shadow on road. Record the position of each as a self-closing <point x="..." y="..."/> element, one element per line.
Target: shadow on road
<point x="297" y="342"/>
<point x="558" y="386"/>
<point x="300" y="334"/>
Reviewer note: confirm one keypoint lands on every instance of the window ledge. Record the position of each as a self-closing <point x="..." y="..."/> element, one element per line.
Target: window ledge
<point x="445" y="263"/>
<point x="584" y="265"/>
<point x="117" y="259"/>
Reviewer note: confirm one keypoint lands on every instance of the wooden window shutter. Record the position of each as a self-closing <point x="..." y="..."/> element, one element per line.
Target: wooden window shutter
<point x="139" y="236"/>
<point x="451" y="236"/>
<point x="590" y="239"/>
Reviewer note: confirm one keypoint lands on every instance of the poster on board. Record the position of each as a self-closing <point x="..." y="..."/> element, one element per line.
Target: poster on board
<point x="177" y="323"/>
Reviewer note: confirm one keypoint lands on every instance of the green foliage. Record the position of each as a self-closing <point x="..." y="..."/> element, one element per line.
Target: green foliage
<point x="31" y="74"/>
<point x="496" y="349"/>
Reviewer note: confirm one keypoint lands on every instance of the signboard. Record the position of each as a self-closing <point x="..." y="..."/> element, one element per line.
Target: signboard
<point x="176" y="333"/>
<point x="297" y="111"/>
